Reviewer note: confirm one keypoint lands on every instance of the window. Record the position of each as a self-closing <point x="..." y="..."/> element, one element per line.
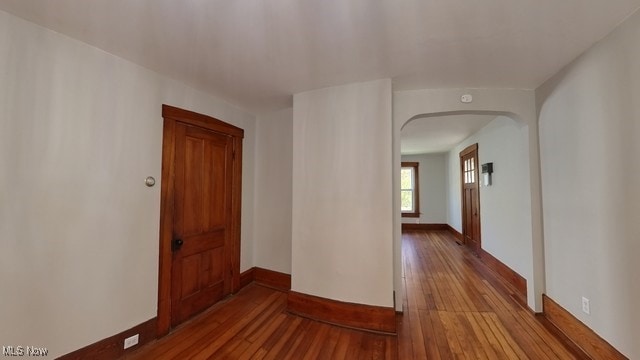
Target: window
<point x="469" y="171"/>
<point x="410" y="206"/>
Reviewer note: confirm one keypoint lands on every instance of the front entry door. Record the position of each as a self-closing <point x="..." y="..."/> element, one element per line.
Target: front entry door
<point x="201" y="221"/>
<point x="470" y="198"/>
<point x="200" y="215"/>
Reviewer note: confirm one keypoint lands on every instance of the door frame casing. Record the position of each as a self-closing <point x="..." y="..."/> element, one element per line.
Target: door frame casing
<point x="172" y="116"/>
<point x="470" y="149"/>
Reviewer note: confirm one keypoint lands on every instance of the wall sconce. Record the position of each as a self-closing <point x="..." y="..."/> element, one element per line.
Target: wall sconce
<point x="487" y="170"/>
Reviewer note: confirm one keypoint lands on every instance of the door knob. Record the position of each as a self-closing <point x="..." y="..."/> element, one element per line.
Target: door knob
<point x="177" y="244"/>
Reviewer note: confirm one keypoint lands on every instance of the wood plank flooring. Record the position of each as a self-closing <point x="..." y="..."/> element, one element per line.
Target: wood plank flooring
<point x="254" y="324"/>
<point x="455" y="308"/>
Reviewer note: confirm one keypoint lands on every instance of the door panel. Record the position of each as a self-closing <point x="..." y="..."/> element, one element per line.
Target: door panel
<point x="201" y="220"/>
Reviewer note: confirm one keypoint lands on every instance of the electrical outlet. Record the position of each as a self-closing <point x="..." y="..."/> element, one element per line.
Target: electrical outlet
<point x="131" y="341"/>
<point x="585" y="306"/>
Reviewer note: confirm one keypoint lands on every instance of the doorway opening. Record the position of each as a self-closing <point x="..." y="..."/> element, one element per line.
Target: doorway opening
<point x="504" y="234"/>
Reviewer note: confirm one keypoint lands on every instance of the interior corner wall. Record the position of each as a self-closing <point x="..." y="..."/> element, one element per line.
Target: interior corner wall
<point x="432" y="188"/>
<point x="505" y="206"/>
<point x="80" y="130"/>
<point x="589" y="117"/>
<point x="342" y="245"/>
<point x="273" y="184"/>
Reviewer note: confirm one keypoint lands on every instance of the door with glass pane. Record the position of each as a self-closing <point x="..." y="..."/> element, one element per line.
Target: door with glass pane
<point x="470" y="197"/>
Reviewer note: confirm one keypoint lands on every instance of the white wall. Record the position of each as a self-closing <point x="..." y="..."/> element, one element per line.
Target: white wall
<point x="433" y="188"/>
<point x="342" y="193"/>
<point x="274" y="153"/>
<point x="79" y="132"/>
<point x="505" y="206"/>
<point x="589" y="131"/>
<point x="518" y="104"/>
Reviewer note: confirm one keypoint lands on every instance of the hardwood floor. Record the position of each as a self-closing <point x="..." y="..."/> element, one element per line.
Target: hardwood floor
<point x="255" y="325"/>
<point x="455" y="308"/>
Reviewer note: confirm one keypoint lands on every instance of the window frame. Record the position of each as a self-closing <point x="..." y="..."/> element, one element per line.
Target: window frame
<point x="416" y="189"/>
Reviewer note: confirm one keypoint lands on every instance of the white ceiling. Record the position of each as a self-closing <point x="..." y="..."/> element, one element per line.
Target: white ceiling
<point x="256" y="53"/>
<point x="439" y="134"/>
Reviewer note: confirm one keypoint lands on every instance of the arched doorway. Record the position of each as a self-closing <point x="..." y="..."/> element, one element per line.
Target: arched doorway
<point x="449" y="151"/>
<point x="514" y="106"/>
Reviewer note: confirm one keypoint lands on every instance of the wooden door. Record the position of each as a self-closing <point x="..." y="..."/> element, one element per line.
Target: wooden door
<point x="200" y="215"/>
<point x="470" y="197"/>
<point x="201" y="223"/>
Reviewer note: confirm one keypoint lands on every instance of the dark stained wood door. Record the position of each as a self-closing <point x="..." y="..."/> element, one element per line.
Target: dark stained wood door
<point x="470" y="197"/>
<point x="201" y="220"/>
<point x="200" y="212"/>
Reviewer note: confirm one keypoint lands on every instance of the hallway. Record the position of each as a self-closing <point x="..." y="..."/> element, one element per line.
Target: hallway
<point x="455" y="308"/>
